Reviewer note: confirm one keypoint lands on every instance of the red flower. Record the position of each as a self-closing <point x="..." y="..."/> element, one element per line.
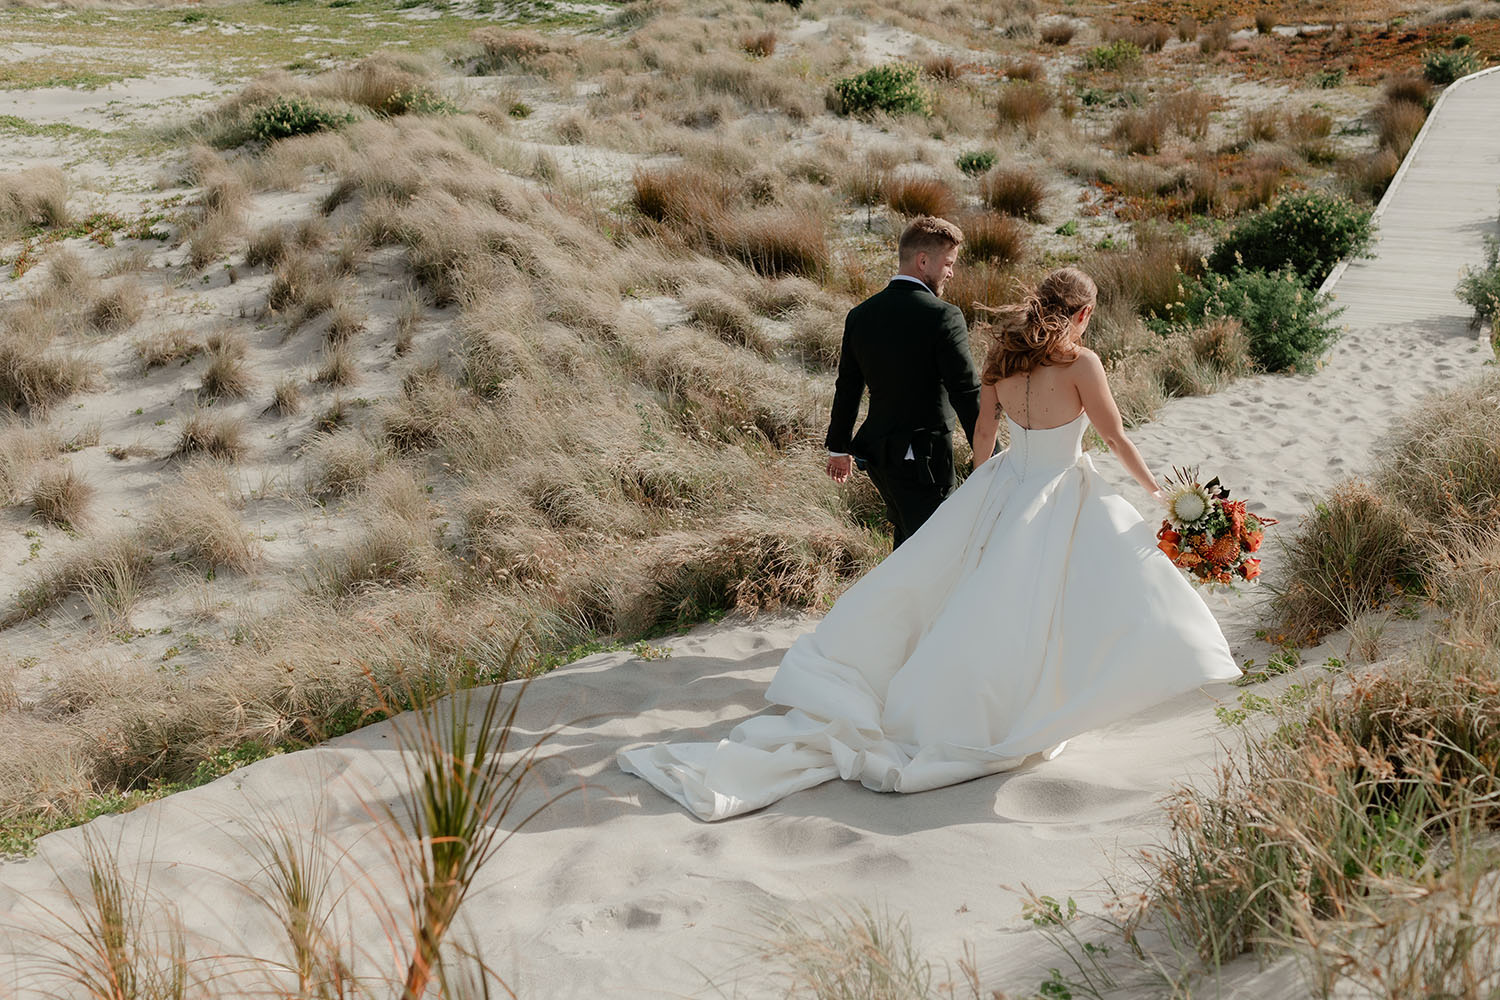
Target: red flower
<point x="1250" y="568"/>
<point x="1167" y="540"/>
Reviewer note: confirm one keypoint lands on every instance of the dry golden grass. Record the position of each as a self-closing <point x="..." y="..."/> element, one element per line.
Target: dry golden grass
<point x="1058" y="33"/>
<point x="942" y="67"/>
<point x="1140" y="132"/>
<point x="119" y="307"/>
<point x="760" y="44"/>
<point x="166" y="347"/>
<point x="35" y="197"/>
<point x="197" y="517"/>
<point x="1144" y="36"/>
<point x="216" y="435"/>
<point x="1023" y="105"/>
<point x="913" y="196"/>
<point x="408" y="317"/>
<point x="398" y="544"/>
<point x="109" y="572"/>
<point x="228" y="372"/>
<point x="729" y="320"/>
<point x="286" y="397"/>
<point x="34" y="377"/>
<point x="1397" y="124"/>
<point x="339" y="368"/>
<point x="340" y="461"/>
<point x="22" y="449"/>
<point x="1214" y="37"/>
<point x="275" y="243"/>
<point x="344" y="321"/>
<point x="1410" y="88"/>
<point x="61" y="496"/>
<point x="1016" y="192"/>
<point x="993" y="238"/>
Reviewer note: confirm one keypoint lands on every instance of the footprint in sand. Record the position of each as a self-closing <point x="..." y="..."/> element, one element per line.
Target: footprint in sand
<point x="1029" y="798"/>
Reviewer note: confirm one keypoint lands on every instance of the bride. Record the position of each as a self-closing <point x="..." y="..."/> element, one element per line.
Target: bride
<point x="1033" y="606"/>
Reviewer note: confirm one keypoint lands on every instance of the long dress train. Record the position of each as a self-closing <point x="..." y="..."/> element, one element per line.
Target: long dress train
<point x="1033" y="606"/>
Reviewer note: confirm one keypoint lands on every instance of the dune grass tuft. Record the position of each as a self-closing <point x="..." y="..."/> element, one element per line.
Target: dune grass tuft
<point x="217" y="435"/>
<point x="61" y="496"/>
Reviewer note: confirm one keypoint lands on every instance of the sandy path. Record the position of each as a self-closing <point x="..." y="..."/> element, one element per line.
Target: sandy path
<point x="617" y="892"/>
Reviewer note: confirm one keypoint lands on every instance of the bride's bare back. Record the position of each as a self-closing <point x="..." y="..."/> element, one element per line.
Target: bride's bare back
<point x="1042" y="398"/>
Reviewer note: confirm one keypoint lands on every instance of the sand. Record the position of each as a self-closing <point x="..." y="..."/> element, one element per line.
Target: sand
<point x="614" y="891"/>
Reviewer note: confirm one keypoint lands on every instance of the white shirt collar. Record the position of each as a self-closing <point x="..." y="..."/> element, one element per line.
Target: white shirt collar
<point x="907" y="277"/>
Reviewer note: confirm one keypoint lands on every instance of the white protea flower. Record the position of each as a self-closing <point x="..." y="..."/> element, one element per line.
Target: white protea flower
<point x="1187" y="505"/>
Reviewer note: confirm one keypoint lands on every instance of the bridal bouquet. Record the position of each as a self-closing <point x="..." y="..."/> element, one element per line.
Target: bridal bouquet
<point x="1205" y="533"/>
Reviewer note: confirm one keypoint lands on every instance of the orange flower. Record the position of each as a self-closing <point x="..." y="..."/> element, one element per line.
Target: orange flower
<point x="1188" y="560"/>
<point x="1167" y="541"/>
<point x="1250" y="569"/>
<point x="1225" y="550"/>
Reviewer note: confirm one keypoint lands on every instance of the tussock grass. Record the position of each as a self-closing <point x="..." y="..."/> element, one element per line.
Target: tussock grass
<point x="197" y="517"/>
<point x="34" y="377"/>
<point x="165" y="347"/>
<point x="1057" y="33"/>
<point x="1148" y="37"/>
<point x="913" y="196"/>
<point x="119" y="307"/>
<point x="34" y="197"/>
<point x="408" y="318"/>
<point x="286" y="397"/>
<point x="1016" y="192"/>
<point x="1021" y="104"/>
<point x="344" y="321"/>
<point x="110" y="572"/>
<point x="1355" y="552"/>
<point x="729" y="320"/>
<point x="61" y="496"/>
<point x="993" y="238"/>
<point x="228" y="373"/>
<point x="22" y="449"/>
<point x="1397" y="124"/>
<point x="67" y="273"/>
<point x="217" y="435"/>
<point x="339" y="461"/>
<point x="339" y="367"/>
<point x="760" y="44"/>
<point x="272" y="244"/>
<point x="396" y="547"/>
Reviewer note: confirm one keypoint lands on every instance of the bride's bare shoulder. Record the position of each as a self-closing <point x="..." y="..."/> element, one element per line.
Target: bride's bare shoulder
<point x="1086" y="361"/>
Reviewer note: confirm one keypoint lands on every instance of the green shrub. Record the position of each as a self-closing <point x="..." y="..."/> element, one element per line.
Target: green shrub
<point x="419" y="101"/>
<point x="289" y="116"/>
<point x="1442" y="68"/>
<point x="1480" y="289"/>
<point x="1288" y="324"/>
<point x="1307" y="232"/>
<point x="1115" y="57"/>
<point x="975" y="162"/>
<point x="893" y="87"/>
<point x="1328" y="79"/>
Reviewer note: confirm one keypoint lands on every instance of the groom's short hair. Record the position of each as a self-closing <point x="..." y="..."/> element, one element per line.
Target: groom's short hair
<point x="927" y="234"/>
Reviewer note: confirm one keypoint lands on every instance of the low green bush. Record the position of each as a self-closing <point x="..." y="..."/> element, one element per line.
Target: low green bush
<point x="289" y="116"/>
<point x="1288" y="324"/>
<point x="1306" y="232"/>
<point x="975" y="162"/>
<point x="1443" y="67"/>
<point x="1480" y="287"/>
<point x="893" y="88"/>
<point x="1116" y="56"/>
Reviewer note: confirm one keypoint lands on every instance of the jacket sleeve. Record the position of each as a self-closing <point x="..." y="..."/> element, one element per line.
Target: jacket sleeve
<point x="848" y="389"/>
<point x="956" y="368"/>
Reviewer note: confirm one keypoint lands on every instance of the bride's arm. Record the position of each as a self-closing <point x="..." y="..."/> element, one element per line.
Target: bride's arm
<point x="987" y="427"/>
<point x="1099" y="404"/>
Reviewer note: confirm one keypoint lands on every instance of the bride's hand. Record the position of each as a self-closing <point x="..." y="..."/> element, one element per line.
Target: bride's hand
<point x="1160" y="496"/>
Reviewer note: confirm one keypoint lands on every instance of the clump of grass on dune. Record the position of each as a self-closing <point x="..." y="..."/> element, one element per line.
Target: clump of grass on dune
<point x="34" y="197"/>
<point x="61" y="496"/>
<point x="109" y="571"/>
<point x="197" y="517"/>
<point x="1358" y="834"/>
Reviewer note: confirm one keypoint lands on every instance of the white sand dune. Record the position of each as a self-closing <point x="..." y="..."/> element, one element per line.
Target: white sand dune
<point x="614" y="891"/>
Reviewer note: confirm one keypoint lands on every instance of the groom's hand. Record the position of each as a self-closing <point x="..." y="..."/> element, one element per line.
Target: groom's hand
<point x="838" y="467"/>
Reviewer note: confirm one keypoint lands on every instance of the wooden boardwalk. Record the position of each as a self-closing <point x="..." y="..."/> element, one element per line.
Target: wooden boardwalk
<point x="1289" y="439"/>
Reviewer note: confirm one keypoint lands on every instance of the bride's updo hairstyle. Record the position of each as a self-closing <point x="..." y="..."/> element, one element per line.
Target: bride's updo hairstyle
<point x="1036" y="330"/>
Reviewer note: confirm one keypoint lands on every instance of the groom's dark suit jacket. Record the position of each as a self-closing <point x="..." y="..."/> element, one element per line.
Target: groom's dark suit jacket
<point x="912" y="350"/>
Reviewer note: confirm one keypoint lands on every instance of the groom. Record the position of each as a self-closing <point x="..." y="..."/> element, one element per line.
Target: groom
<point x="912" y="350"/>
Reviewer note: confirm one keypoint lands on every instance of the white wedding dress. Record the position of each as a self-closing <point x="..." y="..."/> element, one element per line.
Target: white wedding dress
<point x="1032" y="606"/>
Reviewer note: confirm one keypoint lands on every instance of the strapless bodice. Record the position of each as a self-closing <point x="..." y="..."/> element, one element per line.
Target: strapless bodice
<point x="1046" y="451"/>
